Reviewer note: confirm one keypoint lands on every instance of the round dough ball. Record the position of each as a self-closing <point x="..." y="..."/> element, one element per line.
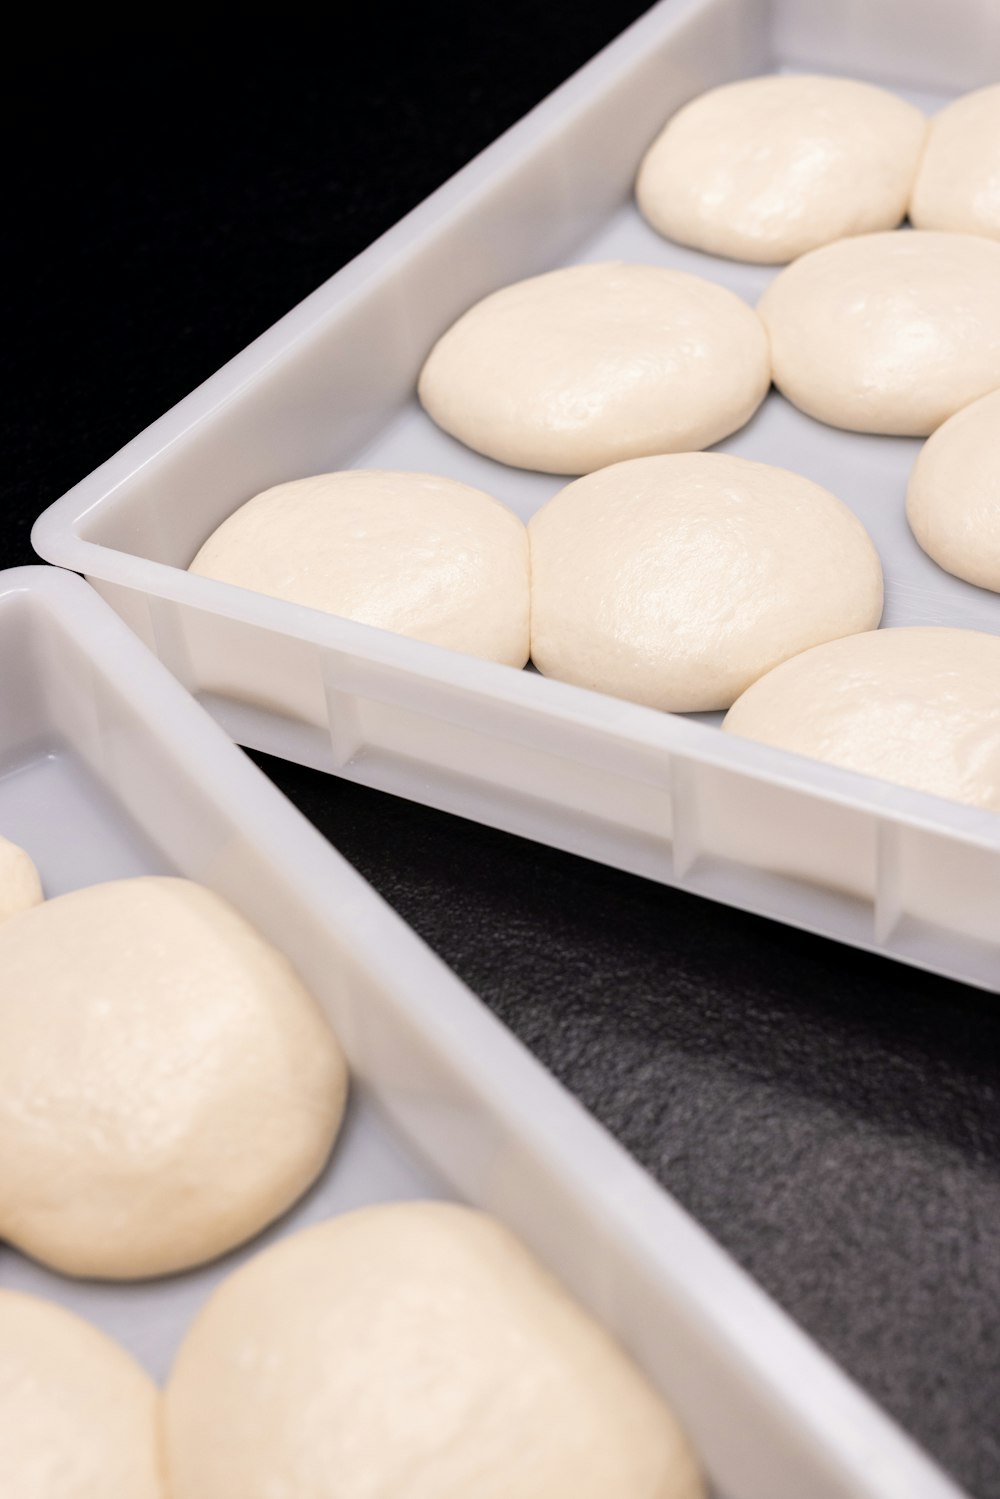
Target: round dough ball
<point x="411" y="1351"/>
<point x="20" y="887"/>
<point x="889" y="332"/>
<point x="585" y="366"/>
<point x="958" y="184"/>
<point x="167" y="1085"/>
<point x="918" y="706"/>
<point x="79" y="1419"/>
<point x="953" y="498"/>
<point x="768" y="168"/>
<point x="423" y="556"/>
<point x="677" y="581"/>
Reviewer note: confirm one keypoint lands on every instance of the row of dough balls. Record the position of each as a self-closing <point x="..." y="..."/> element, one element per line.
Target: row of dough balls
<point x="769" y="168"/>
<point x="168" y="1086"/>
<point x="677" y="582"/>
<point x="391" y="1353"/>
<point x="588" y="365"/>
<point x="673" y="581"/>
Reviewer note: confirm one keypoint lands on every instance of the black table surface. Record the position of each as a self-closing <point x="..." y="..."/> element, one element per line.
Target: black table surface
<point x="830" y="1117"/>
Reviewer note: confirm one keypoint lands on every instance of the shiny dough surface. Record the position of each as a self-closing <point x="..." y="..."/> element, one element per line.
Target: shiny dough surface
<point x="167" y="1084"/>
<point x="887" y="333"/>
<point x="78" y="1417"/>
<point x="953" y="497"/>
<point x="919" y="706"/>
<point x="958" y="185"/>
<point x="677" y="581"/>
<point x="585" y="366"/>
<point x="411" y="1351"/>
<point x="20" y="886"/>
<point x="768" y="168"/>
<point x="420" y="555"/>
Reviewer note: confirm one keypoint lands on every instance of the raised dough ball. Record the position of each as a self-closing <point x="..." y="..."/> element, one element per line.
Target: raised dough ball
<point x="423" y="556"/>
<point x="953" y="499"/>
<point x="167" y="1085"/>
<point x="20" y="887"/>
<point x="887" y="333"/>
<point x="585" y="366"/>
<point x="414" y="1351"/>
<point x="677" y="581"/>
<point x="79" y="1419"/>
<point x="768" y="168"/>
<point x="958" y="185"/>
<point x="918" y="706"/>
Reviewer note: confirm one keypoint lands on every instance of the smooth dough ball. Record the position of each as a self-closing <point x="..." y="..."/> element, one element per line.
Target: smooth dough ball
<point x="677" y="581"/>
<point x="79" y="1419"/>
<point x="889" y="332"/>
<point x="768" y="168"/>
<point x="411" y="1351"/>
<point x="167" y="1085"/>
<point x="413" y="553"/>
<point x="918" y="706"/>
<point x="586" y="366"/>
<point x="20" y="887"/>
<point x="953" y="498"/>
<point x="958" y="185"/>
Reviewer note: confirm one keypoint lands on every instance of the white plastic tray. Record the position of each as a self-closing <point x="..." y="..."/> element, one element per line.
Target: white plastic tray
<point x="108" y="769"/>
<point x="332" y="385"/>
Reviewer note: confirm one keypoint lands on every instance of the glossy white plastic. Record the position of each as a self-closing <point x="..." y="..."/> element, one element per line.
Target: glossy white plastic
<point x="107" y="770"/>
<point x="331" y="385"/>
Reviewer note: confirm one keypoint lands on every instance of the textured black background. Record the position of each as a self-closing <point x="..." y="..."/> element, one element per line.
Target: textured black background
<point x="831" y="1118"/>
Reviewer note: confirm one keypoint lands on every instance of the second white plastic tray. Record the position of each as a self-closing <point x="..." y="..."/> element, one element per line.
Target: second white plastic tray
<point x="108" y="769"/>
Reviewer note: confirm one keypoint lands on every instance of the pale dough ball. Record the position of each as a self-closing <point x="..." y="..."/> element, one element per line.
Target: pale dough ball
<point x="79" y="1419"/>
<point x="582" y="367"/>
<point x="677" y="581"/>
<point x="918" y="706"/>
<point x="768" y="168"/>
<point x="958" y="185"/>
<point x="413" y="1351"/>
<point x="167" y="1085"/>
<point x="20" y="887"/>
<point x="953" y="498"/>
<point x="889" y="332"/>
<point x="413" y="553"/>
